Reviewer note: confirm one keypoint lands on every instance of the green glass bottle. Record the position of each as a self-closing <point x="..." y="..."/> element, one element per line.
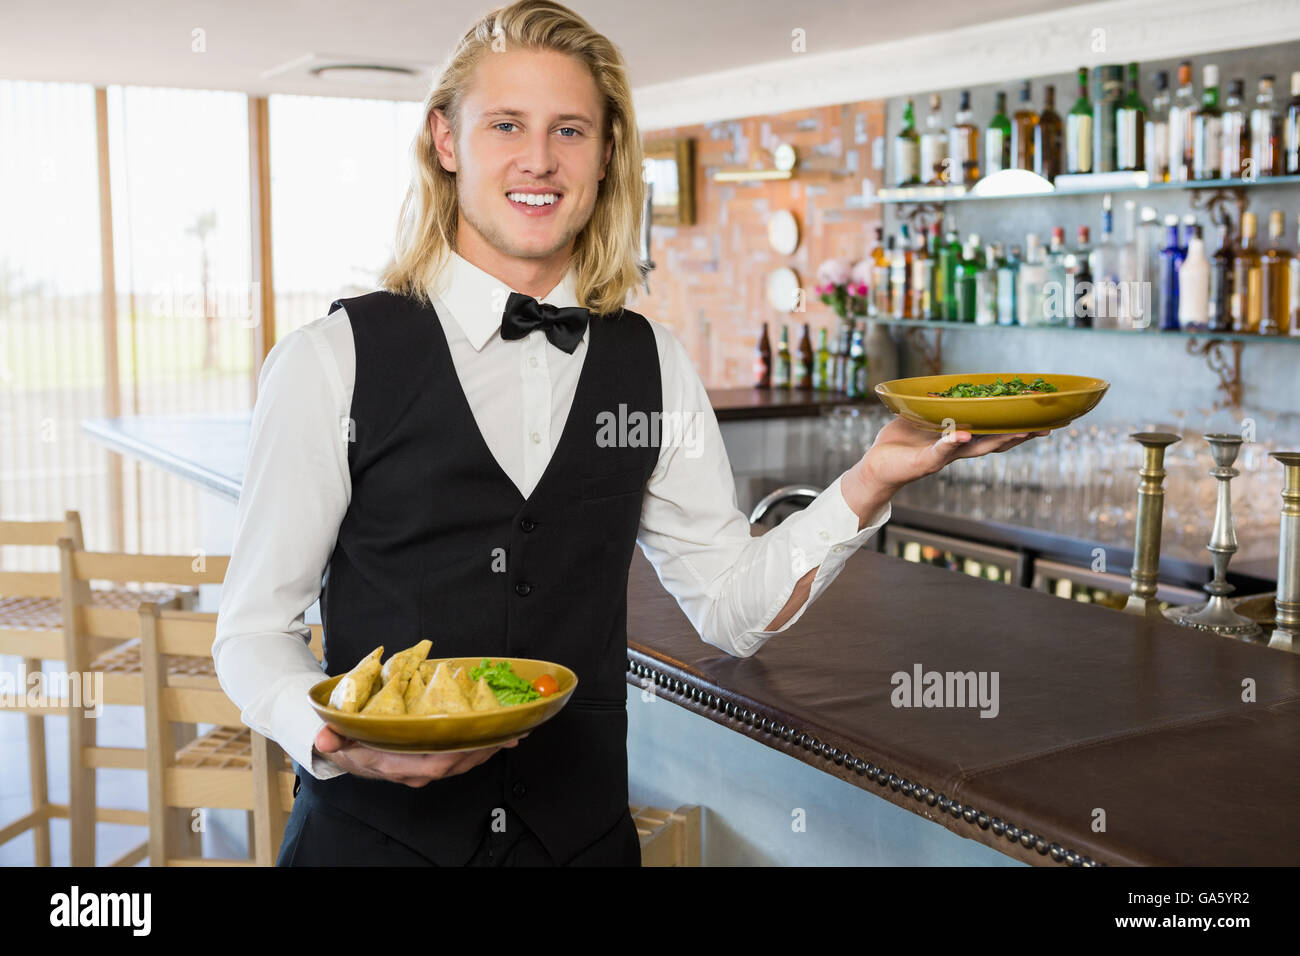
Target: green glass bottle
<point x="1078" y="130"/>
<point x="856" y="379"/>
<point x="1130" y="126"/>
<point x="821" y="364"/>
<point x="967" y="285"/>
<point x="949" y="257"/>
<point x="997" y="139"/>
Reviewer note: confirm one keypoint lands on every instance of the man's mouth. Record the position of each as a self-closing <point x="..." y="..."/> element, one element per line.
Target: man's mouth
<point x="535" y="204"/>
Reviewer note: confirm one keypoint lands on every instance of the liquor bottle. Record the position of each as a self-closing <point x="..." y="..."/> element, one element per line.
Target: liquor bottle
<point x="1055" y="308"/>
<point x="1273" y="293"/>
<point x="1181" y="111"/>
<point x="963" y="144"/>
<point x="1235" y="133"/>
<point x="1207" y="128"/>
<point x="1031" y="276"/>
<point x="781" y="370"/>
<point x="1132" y="302"/>
<point x="968" y="270"/>
<point x="1024" y="126"/>
<point x="1008" y="278"/>
<point x="1048" y="137"/>
<point x="763" y="360"/>
<point x="931" y="297"/>
<point x="1171" y="257"/>
<point x="856" y="373"/>
<point x="1103" y="264"/>
<point x="840" y="358"/>
<point x="1246" y="280"/>
<point x="1156" y="139"/>
<point x="878" y="301"/>
<point x="1265" y="132"/>
<point x="1219" y="308"/>
<point x="883" y="275"/>
<point x="986" y="287"/>
<point x="900" y="276"/>
<point x="1078" y="130"/>
<point x="1291" y="133"/>
<point x="821" y="363"/>
<point x="1150" y="244"/>
<point x="997" y="138"/>
<point x="1194" y="285"/>
<point x="1080" y="296"/>
<point x="934" y="146"/>
<point x="917" y="285"/>
<point x="907" y="151"/>
<point x="1293" y="283"/>
<point x="803" y="363"/>
<point x="1130" y="126"/>
<point x="949" y="256"/>
<point x="1108" y="83"/>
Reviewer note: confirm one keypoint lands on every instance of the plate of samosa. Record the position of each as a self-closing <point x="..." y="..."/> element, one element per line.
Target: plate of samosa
<point x="412" y="704"/>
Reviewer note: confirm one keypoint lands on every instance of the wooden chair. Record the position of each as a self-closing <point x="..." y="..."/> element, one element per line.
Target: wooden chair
<point x="669" y="837"/>
<point x="229" y="767"/>
<point x="31" y="629"/>
<point x="103" y="640"/>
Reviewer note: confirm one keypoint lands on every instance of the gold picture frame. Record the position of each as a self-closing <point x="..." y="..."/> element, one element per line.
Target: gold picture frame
<point x="670" y="167"/>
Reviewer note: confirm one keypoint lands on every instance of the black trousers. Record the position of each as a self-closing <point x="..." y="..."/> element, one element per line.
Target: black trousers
<point x="320" y="835"/>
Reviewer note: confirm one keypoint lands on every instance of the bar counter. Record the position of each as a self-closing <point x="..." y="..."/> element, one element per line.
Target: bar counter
<point x="1117" y="740"/>
<point x="1104" y="719"/>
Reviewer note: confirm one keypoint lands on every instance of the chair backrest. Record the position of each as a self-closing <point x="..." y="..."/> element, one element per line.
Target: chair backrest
<point x="87" y="625"/>
<point x="179" y="634"/>
<point x="28" y="628"/>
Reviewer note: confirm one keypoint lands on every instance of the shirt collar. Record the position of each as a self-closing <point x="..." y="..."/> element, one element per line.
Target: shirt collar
<point x="467" y="293"/>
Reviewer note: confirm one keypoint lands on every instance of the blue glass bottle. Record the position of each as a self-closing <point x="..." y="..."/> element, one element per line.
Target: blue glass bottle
<point x="1171" y="257"/>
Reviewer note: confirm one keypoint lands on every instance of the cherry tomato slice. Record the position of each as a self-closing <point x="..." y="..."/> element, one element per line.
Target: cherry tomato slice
<point x="546" y="685"/>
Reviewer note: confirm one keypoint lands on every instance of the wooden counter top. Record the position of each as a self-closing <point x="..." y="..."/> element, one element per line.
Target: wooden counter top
<point x="741" y="404"/>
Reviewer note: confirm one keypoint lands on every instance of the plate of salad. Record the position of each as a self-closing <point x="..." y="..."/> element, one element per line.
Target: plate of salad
<point x="992" y="403"/>
<point x="409" y="703"/>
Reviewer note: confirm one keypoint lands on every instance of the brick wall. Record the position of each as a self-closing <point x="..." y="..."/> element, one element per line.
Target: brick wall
<point x="709" y="284"/>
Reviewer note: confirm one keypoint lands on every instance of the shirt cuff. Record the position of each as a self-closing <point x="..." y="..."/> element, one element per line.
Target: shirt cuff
<point x="297" y="724"/>
<point x="827" y="531"/>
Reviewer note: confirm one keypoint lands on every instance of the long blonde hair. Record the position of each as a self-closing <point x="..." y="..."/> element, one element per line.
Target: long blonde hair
<point x="606" y="253"/>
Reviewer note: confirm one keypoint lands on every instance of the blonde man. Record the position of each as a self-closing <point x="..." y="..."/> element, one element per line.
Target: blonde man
<point x="438" y="452"/>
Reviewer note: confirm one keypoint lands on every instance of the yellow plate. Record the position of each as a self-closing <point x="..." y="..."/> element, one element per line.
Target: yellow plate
<point x="908" y="397"/>
<point x="447" y="733"/>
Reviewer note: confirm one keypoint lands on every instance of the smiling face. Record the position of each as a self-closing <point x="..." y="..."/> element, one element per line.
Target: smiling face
<point x="530" y="124"/>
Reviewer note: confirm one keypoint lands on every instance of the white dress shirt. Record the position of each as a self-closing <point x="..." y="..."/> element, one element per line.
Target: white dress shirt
<point x="297" y="486"/>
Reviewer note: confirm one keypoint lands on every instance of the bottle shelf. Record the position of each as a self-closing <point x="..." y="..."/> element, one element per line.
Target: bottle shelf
<point x="1066" y="185"/>
<point x="1184" y="334"/>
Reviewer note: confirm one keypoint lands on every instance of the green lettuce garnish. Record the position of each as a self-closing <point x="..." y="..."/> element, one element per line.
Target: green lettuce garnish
<point x="509" y="687"/>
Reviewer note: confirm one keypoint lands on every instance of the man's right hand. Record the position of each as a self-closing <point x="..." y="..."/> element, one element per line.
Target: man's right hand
<point x="414" y="770"/>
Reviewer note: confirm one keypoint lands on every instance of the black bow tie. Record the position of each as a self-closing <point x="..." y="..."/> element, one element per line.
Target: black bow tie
<point x="563" y="326"/>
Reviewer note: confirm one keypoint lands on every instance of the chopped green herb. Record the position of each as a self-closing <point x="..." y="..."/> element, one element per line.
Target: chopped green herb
<point x="509" y="687"/>
<point x="997" y="388"/>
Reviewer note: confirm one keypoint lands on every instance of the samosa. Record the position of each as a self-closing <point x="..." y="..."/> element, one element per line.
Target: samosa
<point x="461" y="676"/>
<point x="388" y="701"/>
<point x="443" y="695"/>
<point x="404" y="663"/>
<point x="484" y="697"/>
<point x="356" y="686"/>
<point x="414" y="691"/>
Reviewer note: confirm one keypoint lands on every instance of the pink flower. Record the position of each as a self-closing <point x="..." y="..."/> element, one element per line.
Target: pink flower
<point x="860" y="289"/>
<point x="834" y="271"/>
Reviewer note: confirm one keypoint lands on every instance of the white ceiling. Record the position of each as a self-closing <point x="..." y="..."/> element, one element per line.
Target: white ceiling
<point x="149" y="42"/>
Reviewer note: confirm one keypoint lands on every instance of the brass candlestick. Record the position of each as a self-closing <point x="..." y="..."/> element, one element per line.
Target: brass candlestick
<point x="1215" y="615"/>
<point x="1150" y="516"/>
<point x="1287" y="625"/>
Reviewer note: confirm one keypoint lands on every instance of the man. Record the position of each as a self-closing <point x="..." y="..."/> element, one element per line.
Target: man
<point x="434" y="452"/>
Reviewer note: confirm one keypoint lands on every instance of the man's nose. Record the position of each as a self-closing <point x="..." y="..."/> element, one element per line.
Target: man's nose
<point x="538" y="155"/>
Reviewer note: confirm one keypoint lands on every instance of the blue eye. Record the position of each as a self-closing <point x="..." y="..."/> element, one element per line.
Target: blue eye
<point x="578" y="131"/>
<point x="503" y="123"/>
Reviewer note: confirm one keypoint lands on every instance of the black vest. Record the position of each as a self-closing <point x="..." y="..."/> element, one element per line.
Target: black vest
<point x="414" y="559"/>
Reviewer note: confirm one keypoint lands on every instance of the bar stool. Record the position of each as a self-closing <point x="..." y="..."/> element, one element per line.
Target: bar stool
<point x="31" y="628"/>
<point x="229" y="767"/>
<point x="100" y="640"/>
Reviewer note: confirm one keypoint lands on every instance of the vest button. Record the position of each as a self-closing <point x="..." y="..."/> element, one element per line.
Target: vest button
<point x="528" y="524"/>
<point x="519" y="789"/>
<point x="522" y="588"/>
